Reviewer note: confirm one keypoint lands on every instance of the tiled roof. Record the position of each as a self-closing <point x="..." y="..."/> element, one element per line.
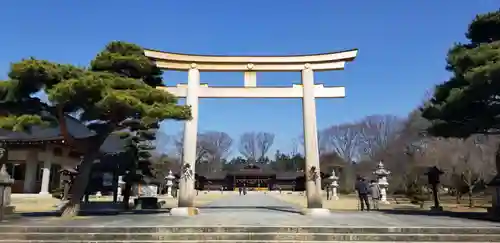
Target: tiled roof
<point x="37" y="133"/>
<point x="112" y="145"/>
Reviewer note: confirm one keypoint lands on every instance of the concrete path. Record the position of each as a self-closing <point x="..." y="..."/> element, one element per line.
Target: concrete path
<point x="257" y="209"/>
<point x="250" y="203"/>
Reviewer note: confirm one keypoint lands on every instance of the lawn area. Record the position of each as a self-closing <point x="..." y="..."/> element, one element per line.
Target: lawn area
<point x="350" y="203"/>
<point x="35" y="204"/>
<point x="48" y="204"/>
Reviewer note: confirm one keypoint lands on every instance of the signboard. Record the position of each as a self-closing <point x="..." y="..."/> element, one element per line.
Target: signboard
<point x="146" y="190"/>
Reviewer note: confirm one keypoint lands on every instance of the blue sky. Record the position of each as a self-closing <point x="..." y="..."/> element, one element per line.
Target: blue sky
<point x="402" y="46"/>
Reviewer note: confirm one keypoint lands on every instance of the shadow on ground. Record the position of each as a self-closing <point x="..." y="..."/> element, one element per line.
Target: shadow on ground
<point x="95" y="213"/>
<point x="270" y="208"/>
<point x="462" y="215"/>
<point x="97" y="209"/>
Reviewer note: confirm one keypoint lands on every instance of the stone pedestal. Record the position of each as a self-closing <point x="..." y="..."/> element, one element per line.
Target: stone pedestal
<point x="184" y="211"/>
<point x="316" y="212"/>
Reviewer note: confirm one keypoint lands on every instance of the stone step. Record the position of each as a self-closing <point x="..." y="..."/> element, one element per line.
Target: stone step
<point x="248" y="229"/>
<point x="245" y="236"/>
<point x="203" y="241"/>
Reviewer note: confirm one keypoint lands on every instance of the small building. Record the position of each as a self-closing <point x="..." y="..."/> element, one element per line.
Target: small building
<point x="37" y="155"/>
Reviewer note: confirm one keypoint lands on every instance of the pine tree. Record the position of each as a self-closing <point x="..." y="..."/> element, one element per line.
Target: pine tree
<point x="119" y="85"/>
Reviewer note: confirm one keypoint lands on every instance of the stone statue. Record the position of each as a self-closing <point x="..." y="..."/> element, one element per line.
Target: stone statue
<point x="312" y="174"/>
<point x="187" y="172"/>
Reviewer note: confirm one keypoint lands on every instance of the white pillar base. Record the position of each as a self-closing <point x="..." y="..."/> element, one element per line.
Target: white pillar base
<point x="184" y="211"/>
<point x="316" y="212"/>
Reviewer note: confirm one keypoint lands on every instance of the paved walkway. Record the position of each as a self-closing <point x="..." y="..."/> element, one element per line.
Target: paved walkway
<point x="263" y="210"/>
<point x="250" y="204"/>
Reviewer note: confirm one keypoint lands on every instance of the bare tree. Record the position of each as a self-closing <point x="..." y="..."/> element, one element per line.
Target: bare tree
<point x="467" y="162"/>
<point x="343" y="139"/>
<point x="322" y="143"/>
<point x="215" y="146"/>
<point x="178" y="148"/>
<point x="254" y="146"/>
<point x="377" y="132"/>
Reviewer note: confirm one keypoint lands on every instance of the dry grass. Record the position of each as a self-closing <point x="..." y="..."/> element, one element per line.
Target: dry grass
<point x="42" y="204"/>
<point x="350" y="203"/>
<point x="48" y="204"/>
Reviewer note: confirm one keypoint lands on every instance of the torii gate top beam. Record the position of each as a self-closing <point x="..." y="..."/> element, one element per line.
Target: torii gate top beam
<point x="317" y="62"/>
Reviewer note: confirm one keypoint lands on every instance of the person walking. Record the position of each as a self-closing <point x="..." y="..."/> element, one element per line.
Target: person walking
<point x="363" y="190"/>
<point x="328" y="194"/>
<point x="240" y="190"/>
<point x="375" y="194"/>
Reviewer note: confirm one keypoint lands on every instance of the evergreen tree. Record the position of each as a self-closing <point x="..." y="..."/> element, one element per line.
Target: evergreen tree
<point x="469" y="102"/>
<point x="118" y="86"/>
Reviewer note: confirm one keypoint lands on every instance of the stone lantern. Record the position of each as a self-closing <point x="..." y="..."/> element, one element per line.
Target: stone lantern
<point x="5" y="193"/>
<point x="334" y="185"/>
<point x="382" y="174"/>
<point x="169" y="178"/>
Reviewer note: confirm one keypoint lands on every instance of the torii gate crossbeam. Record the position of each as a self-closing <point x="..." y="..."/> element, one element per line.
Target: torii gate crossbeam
<point x="308" y="91"/>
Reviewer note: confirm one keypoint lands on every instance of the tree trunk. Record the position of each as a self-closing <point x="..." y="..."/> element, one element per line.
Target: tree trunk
<point x="497" y="158"/>
<point x="82" y="179"/>
<point x="78" y="189"/>
<point x="471" y="202"/>
<point x="126" y="195"/>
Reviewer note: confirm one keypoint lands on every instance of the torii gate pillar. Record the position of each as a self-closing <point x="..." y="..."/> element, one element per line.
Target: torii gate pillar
<point x="308" y="91"/>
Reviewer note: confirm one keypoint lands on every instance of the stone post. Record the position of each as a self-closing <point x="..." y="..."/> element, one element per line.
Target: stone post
<point x="121" y="184"/>
<point x="186" y="181"/>
<point x="312" y="171"/>
<point x="44" y="187"/>
<point x="169" y="178"/>
<point x="31" y="169"/>
<point x="334" y="185"/>
<point x="5" y="193"/>
<point x="382" y="174"/>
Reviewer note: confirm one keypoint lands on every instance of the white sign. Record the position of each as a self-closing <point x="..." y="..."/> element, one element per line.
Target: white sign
<point x="147" y="191"/>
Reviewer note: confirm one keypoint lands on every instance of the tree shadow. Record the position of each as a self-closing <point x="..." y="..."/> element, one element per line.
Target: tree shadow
<point x="97" y="209"/>
<point x="484" y="216"/>
<point x="270" y="208"/>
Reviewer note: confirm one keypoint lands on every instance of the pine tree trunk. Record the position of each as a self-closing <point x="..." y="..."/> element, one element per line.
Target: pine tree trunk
<point x="82" y="179"/>
<point x="78" y="189"/>
<point x="126" y="195"/>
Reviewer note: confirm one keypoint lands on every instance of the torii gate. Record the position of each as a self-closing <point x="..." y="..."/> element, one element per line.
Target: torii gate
<point x="250" y="65"/>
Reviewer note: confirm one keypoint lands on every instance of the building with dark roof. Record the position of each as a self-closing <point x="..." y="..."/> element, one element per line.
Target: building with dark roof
<point x="36" y="156"/>
<point x="260" y="177"/>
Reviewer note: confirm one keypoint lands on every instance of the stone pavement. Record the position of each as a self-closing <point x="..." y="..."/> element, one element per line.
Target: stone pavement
<point x="258" y="209"/>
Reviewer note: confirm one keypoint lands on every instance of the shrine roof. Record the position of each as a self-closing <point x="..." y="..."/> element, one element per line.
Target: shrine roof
<point x="38" y="133"/>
